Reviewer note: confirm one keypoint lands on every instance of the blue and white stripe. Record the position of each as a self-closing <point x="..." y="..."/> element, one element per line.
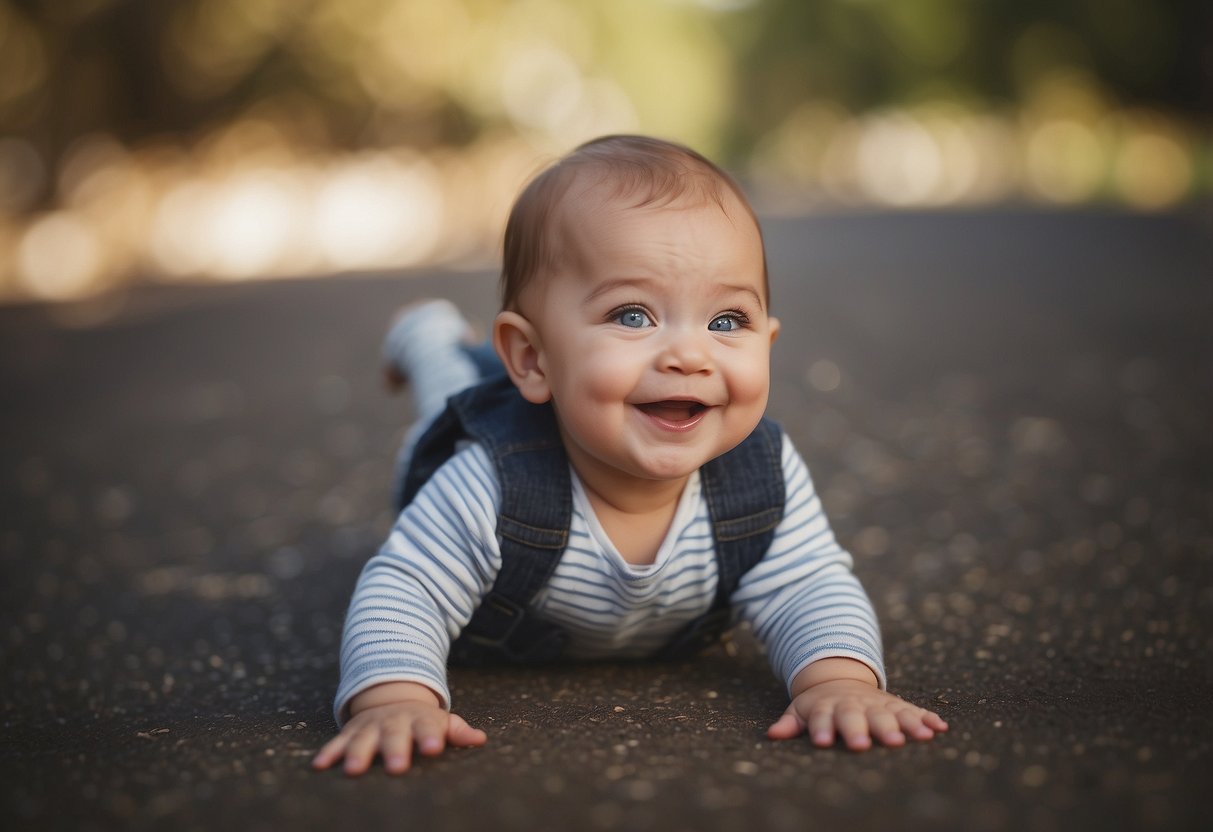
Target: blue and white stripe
<point x="420" y="590"/>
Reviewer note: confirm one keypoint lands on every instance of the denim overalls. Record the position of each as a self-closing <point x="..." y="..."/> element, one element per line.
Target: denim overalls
<point x="744" y="489"/>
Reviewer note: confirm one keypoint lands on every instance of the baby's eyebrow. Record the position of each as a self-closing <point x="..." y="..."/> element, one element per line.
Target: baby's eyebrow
<point x="745" y="290"/>
<point x="619" y="283"/>
<point x="646" y="282"/>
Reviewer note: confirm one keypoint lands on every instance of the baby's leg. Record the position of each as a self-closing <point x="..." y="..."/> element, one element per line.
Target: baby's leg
<point x="428" y="344"/>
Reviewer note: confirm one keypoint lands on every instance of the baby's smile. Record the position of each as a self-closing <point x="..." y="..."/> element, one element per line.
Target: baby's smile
<point x="674" y="414"/>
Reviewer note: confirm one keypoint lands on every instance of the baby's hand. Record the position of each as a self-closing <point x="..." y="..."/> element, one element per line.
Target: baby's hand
<point x="397" y="716"/>
<point x="855" y="709"/>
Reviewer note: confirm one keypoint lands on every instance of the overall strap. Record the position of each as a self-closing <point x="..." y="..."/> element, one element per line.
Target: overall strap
<point x="745" y="493"/>
<point x="533" y="520"/>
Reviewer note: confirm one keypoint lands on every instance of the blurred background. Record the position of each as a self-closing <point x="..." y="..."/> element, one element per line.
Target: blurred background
<point x="220" y="140"/>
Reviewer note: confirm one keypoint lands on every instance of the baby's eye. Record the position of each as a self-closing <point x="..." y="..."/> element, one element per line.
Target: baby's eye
<point x="726" y="323"/>
<point x="633" y="318"/>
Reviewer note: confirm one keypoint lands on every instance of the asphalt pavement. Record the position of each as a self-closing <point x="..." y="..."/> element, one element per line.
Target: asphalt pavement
<point x="1007" y="413"/>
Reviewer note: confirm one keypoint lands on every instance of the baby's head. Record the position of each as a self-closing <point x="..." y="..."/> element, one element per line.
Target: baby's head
<point x="629" y="171"/>
<point x="635" y="300"/>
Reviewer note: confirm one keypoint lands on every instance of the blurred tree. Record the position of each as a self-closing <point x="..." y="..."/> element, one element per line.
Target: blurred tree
<point x="430" y="73"/>
<point x="872" y="53"/>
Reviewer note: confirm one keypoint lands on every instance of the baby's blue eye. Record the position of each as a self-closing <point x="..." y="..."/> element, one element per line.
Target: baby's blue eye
<point x="724" y="323"/>
<point x="634" y="318"/>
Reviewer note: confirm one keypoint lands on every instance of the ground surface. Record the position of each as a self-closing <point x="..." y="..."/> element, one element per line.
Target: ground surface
<point x="1007" y="414"/>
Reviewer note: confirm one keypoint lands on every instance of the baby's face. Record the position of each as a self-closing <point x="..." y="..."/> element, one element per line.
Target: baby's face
<point x="655" y="336"/>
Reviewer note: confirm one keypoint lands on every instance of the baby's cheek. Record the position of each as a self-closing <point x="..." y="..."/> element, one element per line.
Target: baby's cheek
<point x="750" y="389"/>
<point x="603" y="380"/>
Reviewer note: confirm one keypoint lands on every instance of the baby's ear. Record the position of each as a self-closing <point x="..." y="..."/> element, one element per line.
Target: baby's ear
<point x="518" y="345"/>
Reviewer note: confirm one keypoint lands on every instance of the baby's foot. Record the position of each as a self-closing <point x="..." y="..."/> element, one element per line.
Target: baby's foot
<point x="416" y="331"/>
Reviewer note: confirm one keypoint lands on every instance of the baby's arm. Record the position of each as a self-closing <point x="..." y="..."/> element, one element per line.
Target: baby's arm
<point x="813" y="615"/>
<point x="842" y="695"/>
<point x="412" y="597"/>
<point x="389" y="719"/>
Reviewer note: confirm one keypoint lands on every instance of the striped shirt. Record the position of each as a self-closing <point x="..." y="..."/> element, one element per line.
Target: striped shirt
<point x="419" y="591"/>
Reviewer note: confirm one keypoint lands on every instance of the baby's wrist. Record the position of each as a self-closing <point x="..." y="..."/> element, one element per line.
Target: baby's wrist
<point x="393" y="693"/>
<point x="835" y="669"/>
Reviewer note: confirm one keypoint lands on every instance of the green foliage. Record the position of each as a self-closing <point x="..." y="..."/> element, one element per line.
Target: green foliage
<point x="431" y="73"/>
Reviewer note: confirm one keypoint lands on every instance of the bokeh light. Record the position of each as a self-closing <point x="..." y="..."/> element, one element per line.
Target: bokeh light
<point x="1154" y="167"/>
<point x="59" y="257"/>
<point x="378" y="212"/>
<point x="241" y="139"/>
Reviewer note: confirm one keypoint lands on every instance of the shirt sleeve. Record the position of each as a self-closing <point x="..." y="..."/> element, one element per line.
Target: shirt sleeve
<point x="802" y="599"/>
<point x="418" y="592"/>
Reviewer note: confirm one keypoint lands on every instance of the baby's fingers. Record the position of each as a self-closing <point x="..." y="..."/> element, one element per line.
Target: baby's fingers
<point x="430" y="736"/>
<point x="330" y="752"/>
<point x="885" y="727"/>
<point x="787" y="726"/>
<point x="361" y="750"/>
<point x="459" y="733"/>
<point x="853" y="726"/>
<point x="397" y="749"/>
<point x="920" y="724"/>
<point x="821" y="726"/>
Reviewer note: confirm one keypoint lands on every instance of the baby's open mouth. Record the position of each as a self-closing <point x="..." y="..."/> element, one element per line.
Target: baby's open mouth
<point x="673" y="411"/>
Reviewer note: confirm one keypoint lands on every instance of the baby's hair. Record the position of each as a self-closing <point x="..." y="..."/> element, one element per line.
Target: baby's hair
<point x="651" y="172"/>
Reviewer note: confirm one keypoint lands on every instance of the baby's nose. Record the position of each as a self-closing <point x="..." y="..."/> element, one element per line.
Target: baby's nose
<point x="685" y="352"/>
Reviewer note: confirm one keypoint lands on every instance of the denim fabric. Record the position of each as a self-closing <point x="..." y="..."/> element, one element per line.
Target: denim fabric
<point x="744" y="489"/>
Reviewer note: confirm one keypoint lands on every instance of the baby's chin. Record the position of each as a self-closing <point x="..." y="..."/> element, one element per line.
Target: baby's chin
<point x="676" y="465"/>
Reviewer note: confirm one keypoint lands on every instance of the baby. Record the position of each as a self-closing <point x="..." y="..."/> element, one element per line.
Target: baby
<point x="610" y="488"/>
